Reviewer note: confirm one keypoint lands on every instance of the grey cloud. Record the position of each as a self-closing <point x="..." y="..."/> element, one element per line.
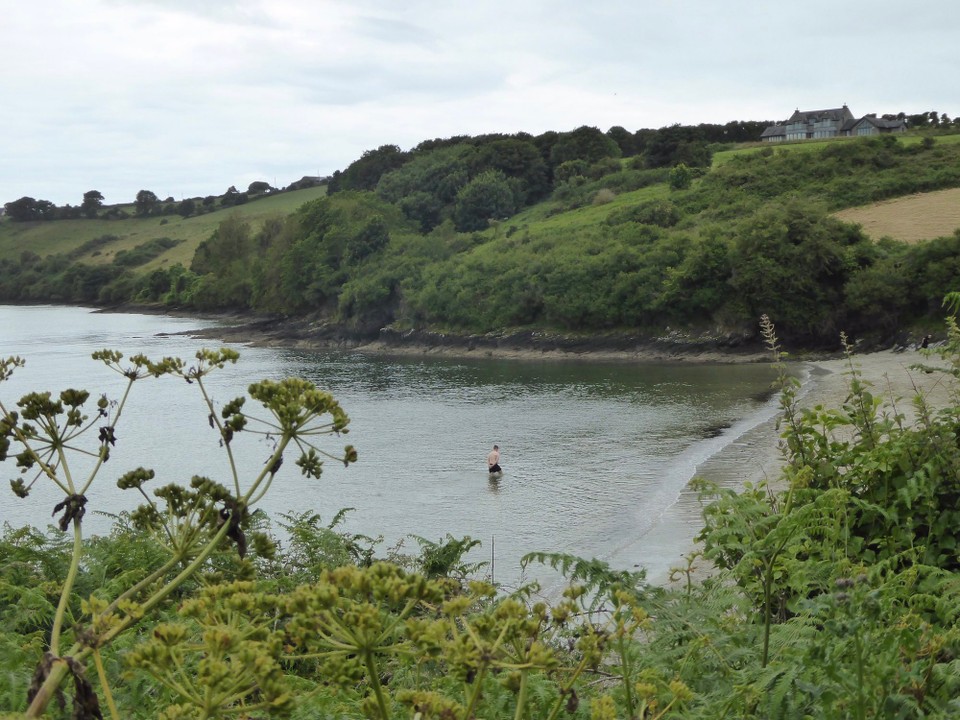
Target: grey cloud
<point x="390" y="30"/>
<point x="237" y="12"/>
<point x="298" y="87"/>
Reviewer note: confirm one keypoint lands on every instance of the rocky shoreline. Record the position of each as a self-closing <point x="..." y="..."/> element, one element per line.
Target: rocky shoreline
<point x="713" y="346"/>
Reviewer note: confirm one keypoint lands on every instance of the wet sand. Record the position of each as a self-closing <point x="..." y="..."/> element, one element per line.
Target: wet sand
<point x="756" y="456"/>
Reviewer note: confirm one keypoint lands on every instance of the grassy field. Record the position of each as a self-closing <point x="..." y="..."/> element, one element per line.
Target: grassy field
<point x="546" y="219"/>
<point x="64" y="236"/>
<point x="804" y="146"/>
<point x="909" y="219"/>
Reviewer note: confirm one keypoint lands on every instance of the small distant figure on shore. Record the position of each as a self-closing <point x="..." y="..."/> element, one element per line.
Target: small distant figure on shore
<point x="925" y="343"/>
<point x="493" y="460"/>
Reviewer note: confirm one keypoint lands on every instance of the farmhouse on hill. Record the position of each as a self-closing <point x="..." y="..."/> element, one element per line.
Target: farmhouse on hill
<point x="835" y="122"/>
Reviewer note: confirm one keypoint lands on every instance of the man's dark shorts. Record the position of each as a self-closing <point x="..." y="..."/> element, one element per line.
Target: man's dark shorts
<point x="495" y="468"/>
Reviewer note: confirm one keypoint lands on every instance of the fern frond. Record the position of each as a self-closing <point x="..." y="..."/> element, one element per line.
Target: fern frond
<point x="595" y="575"/>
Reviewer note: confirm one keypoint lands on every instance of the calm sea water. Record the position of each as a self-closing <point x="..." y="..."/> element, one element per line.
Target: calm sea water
<point x="596" y="457"/>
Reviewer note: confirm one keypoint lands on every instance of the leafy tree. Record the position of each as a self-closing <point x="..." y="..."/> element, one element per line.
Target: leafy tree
<point x="676" y="144"/>
<point x="67" y="212"/>
<point x="488" y="196"/>
<point x="624" y="140"/>
<point x="187" y="207"/>
<point x="26" y="208"/>
<point x="440" y="172"/>
<point x="229" y="198"/>
<point x="92" y="202"/>
<point x="371" y="238"/>
<point x="115" y="213"/>
<point x="365" y="173"/>
<point x="22" y="210"/>
<point x="566" y="171"/>
<point x="642" y="139"/>
<point x="584" y="143"/>
<point x="258" y="187"/>
<point x="224" y="262"/>
<point x="232" y="198"/>
<point x="735" y="131"/>
<point x="424" y="208"/>
<point x="544" y="143"/>
<point x="699" y="286"/>
<point x="791" y="262"/>
<point x="518" y="159"/>
<point x="146" y="203"/>
<point x="680" y="177"/>
<point x="46" y="210"/>
<point x="428" y="146"/>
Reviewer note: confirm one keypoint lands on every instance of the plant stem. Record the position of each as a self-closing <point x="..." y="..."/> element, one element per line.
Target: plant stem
<point x="861" y="701"/>
<point x="475" y="695"/>
<point x="226" y="445"/>
<point x="107" y="694"/>
<point x="67" y="589"/>
<point x="522" y="695"/>
<point x="767" y="610"/>
<point x="625" y="669"/>
<point x="375" y="683"/>
<point x="576" y="674"/>
<point x="132" y="592"/>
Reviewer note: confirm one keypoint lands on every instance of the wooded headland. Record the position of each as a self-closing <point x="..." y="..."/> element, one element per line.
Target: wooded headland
<point x="570" y="237"/>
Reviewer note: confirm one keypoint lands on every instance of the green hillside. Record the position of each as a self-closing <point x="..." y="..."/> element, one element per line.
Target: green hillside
<point x="97" y="241"/>
<point x="567" y="233"/>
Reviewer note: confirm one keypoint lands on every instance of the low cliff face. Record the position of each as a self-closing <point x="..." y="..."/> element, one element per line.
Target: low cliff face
<point x="671" y="342"/>
<point x="741" y="344"/>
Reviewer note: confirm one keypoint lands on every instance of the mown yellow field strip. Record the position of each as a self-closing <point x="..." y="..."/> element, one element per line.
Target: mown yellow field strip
<point x="909" y="219"/>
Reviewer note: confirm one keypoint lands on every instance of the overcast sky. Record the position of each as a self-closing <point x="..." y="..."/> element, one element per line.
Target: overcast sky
<point x="187" y="97"/>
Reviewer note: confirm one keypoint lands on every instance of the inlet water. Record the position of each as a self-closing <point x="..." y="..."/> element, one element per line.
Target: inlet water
<point x="596" y="456"/>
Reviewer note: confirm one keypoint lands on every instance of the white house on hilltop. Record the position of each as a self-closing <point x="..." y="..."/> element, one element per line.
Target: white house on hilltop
<point x="835" y="122"/>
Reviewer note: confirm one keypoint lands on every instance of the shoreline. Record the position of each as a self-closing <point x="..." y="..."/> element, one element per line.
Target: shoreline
<point x="751" y="457"/>
<point x="755" y="455"/>
<point x="524" y="345"/>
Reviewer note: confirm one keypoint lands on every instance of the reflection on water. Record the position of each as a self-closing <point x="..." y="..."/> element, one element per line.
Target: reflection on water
<point x="594" y="455"/>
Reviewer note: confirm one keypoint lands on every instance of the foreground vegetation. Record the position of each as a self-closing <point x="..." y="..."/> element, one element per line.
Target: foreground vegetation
<point x="576" y="233"/>
<point x="836" y="596"/>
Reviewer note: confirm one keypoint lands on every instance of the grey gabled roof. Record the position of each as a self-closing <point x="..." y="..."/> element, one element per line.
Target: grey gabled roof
<point x="773" y="131"/>
<point x="880" y="123"/>
<point x="837" y="114"/>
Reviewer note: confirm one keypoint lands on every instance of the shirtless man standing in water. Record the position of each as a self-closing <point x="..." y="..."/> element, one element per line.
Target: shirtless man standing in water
<point x="493" y="460"/>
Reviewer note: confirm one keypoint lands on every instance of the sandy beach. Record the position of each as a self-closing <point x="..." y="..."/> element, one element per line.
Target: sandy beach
<point x="755" y="456"/>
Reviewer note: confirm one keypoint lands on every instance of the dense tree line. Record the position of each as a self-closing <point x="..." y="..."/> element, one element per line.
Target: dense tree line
<point x="752" y="236"/>
<point x="146" y="204"/>
<point x="601" y="243"/>
<point x="473" y="180"/>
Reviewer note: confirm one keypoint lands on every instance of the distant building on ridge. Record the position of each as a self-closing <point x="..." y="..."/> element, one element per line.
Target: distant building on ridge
<point x="835" y="122"/>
